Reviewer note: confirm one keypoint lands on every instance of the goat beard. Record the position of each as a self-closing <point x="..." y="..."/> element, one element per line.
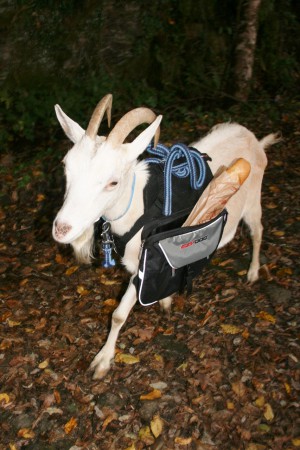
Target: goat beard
<point x="83" y="246"/>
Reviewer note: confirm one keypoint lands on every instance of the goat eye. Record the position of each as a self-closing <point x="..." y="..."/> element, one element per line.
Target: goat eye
<point x="112" y="185"/>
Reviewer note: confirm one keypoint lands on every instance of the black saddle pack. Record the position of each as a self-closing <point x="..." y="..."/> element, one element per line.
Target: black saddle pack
<point x="172" y="255"/>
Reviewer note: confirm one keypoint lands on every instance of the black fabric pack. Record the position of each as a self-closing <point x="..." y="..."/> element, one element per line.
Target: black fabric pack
<point x="171" y="255"/>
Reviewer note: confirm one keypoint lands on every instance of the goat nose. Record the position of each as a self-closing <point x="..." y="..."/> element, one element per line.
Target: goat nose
<point x="61" y="228"/>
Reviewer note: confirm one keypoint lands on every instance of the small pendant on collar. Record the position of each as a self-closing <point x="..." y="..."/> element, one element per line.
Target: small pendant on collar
<point x="107" y="246"/>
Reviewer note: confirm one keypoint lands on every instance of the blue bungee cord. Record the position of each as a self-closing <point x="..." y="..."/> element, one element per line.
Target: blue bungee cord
<point x="193" y="166"/>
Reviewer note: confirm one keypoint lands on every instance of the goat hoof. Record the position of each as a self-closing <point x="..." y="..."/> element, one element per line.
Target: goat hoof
<point x="252" y="276"/>
<point x="165" y="306"/>
<point x="100" y="367"/>
<point x="100" y="373"/>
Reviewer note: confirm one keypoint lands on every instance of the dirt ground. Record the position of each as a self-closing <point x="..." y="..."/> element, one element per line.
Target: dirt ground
<point x="221" y="373"/>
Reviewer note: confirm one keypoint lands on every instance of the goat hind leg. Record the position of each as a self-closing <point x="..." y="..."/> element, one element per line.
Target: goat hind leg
<point x="253" y="220"/>
<point x="165" y="305"/>
<point x="102" y="361"/>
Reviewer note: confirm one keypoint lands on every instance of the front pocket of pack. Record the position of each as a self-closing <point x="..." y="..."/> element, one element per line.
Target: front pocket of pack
<point x="199" y="242"/>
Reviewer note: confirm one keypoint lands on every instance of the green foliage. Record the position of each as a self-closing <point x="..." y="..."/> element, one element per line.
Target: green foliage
<point x="171" y="55"/>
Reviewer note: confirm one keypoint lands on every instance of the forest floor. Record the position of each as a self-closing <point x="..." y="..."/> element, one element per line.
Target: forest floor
<point x="221" y="373"/>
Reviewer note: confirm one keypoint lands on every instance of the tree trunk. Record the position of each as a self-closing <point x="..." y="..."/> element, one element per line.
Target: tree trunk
<point x="245" y="49"/>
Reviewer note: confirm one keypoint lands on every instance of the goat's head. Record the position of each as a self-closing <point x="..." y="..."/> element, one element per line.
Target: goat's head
<point x="98" y="169"/>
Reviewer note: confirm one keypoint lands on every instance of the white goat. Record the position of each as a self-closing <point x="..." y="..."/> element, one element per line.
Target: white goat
<point x="100" y="172"/>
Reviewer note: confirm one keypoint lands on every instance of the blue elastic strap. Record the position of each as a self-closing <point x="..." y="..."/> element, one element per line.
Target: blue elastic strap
<point x="194" y="167"/>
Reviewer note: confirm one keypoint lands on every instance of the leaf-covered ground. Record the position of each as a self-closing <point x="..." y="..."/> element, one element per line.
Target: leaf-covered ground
<point x="221" y="373"/>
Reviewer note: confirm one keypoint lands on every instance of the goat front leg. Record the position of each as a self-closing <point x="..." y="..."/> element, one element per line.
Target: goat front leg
<point x="102" y="361"/>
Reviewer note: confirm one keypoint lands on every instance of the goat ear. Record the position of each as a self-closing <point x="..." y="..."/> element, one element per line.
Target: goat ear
<point x="71" y="128"/>
<point x="137" y="147"/>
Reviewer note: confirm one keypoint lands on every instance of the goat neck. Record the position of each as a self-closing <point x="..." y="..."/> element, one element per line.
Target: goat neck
<point x="121" y="223"/>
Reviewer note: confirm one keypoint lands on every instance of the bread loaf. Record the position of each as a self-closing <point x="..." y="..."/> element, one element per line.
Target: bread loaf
<point x="218" y="192"/>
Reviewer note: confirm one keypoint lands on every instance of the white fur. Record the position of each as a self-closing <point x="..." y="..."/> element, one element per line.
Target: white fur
<point x="92" y="166"/>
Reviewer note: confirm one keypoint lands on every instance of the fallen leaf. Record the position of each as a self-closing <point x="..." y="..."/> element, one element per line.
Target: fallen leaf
<point x="278" y="233"/>
<point x="43" y="266"/>
<point x="158" y="358"/>
<point x="5" y="344"/>
<point x="146" y="333"/>
<point x="274" y="188"/>
<point x="82" y="291"/>
<point x="266" y="316"/>
<point x="239" y="388"/>
<point x="182" y="366"/>
<point x="13" y="323"/>
<point x="156" y="425"/>
<point x="59" y="259"/>
<point x="70" y="425"/>
<point x="5" y="316"/>
<point x="264" y="427"/>
<point x="287" y="388"/>
<point x="53" y="410"/>
<point x="41" y="324"/>
<point x="12" y="447"/>
<point x="206" y="318"/>
<point x="245" y="334"/>
<point x="242" y="272"/>
<point x="71" y="270"/>
<point x="132" y="447"/>
<point x="198" y="400"/>
<point x="44" y="364"/>
<point x="146" y="436"/>
<point x="109" y="419"/>
<point x="271" y="205"/>
<point x="156" y="393"/>
<point x="253" y="446"/>
<point x="107" y="281"/>
<point x="126" y="358"/>
<point x="169" y="331"/>
<point x="183" y="441"/>
<point x="26" y="433"/>
<point x="4" y="398"/>
<point x="111" y="302"/>
<point x="296" y="442"/>
<point x="161" y="385"/>
<point x="231" y="329"/>
<point x="268" y="412"/>
<point x="226" y="262"/>
<point x="40" y="197"/>
<point x="281" y="273"/>
<point x="57" y="397"/>
<point x="260" y="401"/>
<point x="230" y="405"/>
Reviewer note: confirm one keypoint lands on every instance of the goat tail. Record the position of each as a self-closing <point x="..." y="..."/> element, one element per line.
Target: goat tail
<point x="83" y="246"/>
<point x="271" y="139"/>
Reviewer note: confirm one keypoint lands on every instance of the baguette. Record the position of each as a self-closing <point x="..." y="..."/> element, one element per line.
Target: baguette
<point x="218" y="192"/>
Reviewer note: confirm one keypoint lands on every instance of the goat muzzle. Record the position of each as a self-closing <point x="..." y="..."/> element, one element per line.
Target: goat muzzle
<point x="61" y="229"/>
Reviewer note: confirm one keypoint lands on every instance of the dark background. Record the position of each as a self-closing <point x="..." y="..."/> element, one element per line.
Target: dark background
<point x="175" y="56"/>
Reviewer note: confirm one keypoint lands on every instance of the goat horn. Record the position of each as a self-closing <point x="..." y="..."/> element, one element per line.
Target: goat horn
<point x="128" y="123"/>
<point x="104" y="105"/>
